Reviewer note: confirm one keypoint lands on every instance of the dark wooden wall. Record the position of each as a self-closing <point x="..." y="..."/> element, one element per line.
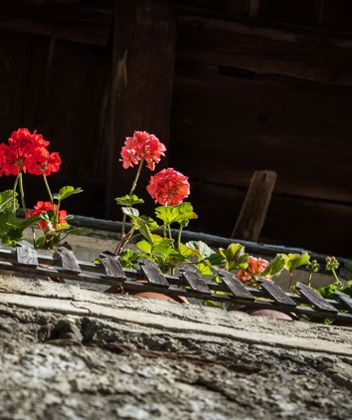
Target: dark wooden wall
<point x="230" y="86"/>
<point x="267" y="85"/>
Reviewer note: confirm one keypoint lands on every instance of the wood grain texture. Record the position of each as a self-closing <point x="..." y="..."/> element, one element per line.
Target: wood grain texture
<point x="142" y="82"/>
<point x="264" y="49"/>
<point x="69" y="21"/>
<point x="252" y="216"/>
<point x="237" y="125"/>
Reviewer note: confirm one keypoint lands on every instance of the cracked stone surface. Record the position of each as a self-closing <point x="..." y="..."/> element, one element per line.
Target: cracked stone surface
<point x="72" y="366"/>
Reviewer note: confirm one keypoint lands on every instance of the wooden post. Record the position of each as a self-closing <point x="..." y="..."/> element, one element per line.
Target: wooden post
<point x="142" y="80"/>
<point x="255" y="207"/>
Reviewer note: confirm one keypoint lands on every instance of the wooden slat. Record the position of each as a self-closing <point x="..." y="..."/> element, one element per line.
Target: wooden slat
<point x="26" y="254"/>
<point x="264" y="49"/>
<point x="113" y="268"/>
<point x="235" y="286"/>
<point x="346" y="299"/>
<point x="67" y="22"/>
<point x="253" y="213"/>
<point x="314" y="298"/>
<point x="277" y="293"/>
<point x="153" y="273"/>
<point x="196" y="282"/>
<point x="274" y="117"/>
<point x="68" y="260"/>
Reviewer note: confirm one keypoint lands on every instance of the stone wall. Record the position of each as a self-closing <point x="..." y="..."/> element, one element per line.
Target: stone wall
<point x="68" y="353"/>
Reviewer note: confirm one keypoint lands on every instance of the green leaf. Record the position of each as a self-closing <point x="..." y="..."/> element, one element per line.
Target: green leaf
<point x="176" y="214"/>
<point x="144" y="246"/>
<point x="129" y="200"/>
<point x="204" y="269"/>
<point x="129" y="258"/>
<point x="235" y="257"/>
<point x="275" y="266"/>
<point x="66" y="192"/>
<point x="294" y="261"/>
<point x="130" y="211"/>
<point x="11" y="228"/>
<point x="188" y="252"/>
<point x="165" y="248"/>
<point x="328" y="292"/>
<point x="202" y="248"/>
<point x="6" y="200"/>
<point x="145" y="225"/>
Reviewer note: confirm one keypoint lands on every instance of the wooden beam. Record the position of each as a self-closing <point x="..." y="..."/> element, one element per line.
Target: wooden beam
<point x="254" y="7"/>
<point x="142" y="82"/>
<point x="251" y="219"/>
<point x="265" y="49"/>
<point x="70" y="22"/>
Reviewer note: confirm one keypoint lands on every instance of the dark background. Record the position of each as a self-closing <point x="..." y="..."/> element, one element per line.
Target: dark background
<point x="229" y="86"/>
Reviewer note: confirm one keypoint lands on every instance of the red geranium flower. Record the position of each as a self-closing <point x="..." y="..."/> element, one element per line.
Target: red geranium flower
<point x="142" y="146"/>
<point x="255" y="267"/>
<point x="169" y="187"/>
<point x="27" y="151"/>
<point x="41" y="162"/>
<point x="43" y="206"/>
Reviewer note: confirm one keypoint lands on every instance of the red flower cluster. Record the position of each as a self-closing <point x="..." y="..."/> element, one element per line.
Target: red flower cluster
<point x="255" y="267"/>
<point x="169" y="187"/>
<point x="27" y="151"/>
<point x="41" y="207"/>
<point x="142" y="146"/>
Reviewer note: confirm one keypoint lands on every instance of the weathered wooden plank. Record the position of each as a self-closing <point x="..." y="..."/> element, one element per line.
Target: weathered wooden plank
<point x="14" y="66"/>
<point x="277" y="293"/>
<point x="252" y="216"/>
<point x="314" y="298"/>
<point x="301" y="12"/>
<point x="26" y="254"/>
<point x="235" y="286"/>
<point x="67" y="259"/>
<point x="153" y="273"/>
<point x="113" y="268"/>
<point x="196" y="282"/>
<point x="275" y="118"/>
<point x="142" y="82"/>
<point x="265" y="49"/>
<point x="70" y="22"/>
<point x="346" y="299"/>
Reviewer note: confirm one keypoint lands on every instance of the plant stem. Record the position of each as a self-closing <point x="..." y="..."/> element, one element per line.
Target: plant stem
<point x="169" y="230"/>
<point x="336" y="277"/>
<point x="290" y="282"/>
<point x="310" y="279"/>
<point x="48" y="189"/>
<point x="134" y="185"/>
<point x="14" y="192"/>
<point x="179" y="238"/>
<point x="139" y="170"/>
<point x="22" y="193"/>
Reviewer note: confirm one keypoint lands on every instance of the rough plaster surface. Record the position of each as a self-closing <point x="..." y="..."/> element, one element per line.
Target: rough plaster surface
<point x="67" y="353"/>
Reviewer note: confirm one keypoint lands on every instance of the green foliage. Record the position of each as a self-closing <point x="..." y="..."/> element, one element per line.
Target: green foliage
<point x="200" y="248"/>
<point x="329" y="291"/>
<point x="234" y="257"/>
<point x="180" y="214"/>
<point x="129" y="200"/>
<point x="7" y="198"/>
<point x="294" y="261"/>
<point x="129" y="258"/>
<point x="130" y="211"/>
<point x="66" y="192"/>
<point x="275" y="266"/>
<point x="12" y="228"/>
